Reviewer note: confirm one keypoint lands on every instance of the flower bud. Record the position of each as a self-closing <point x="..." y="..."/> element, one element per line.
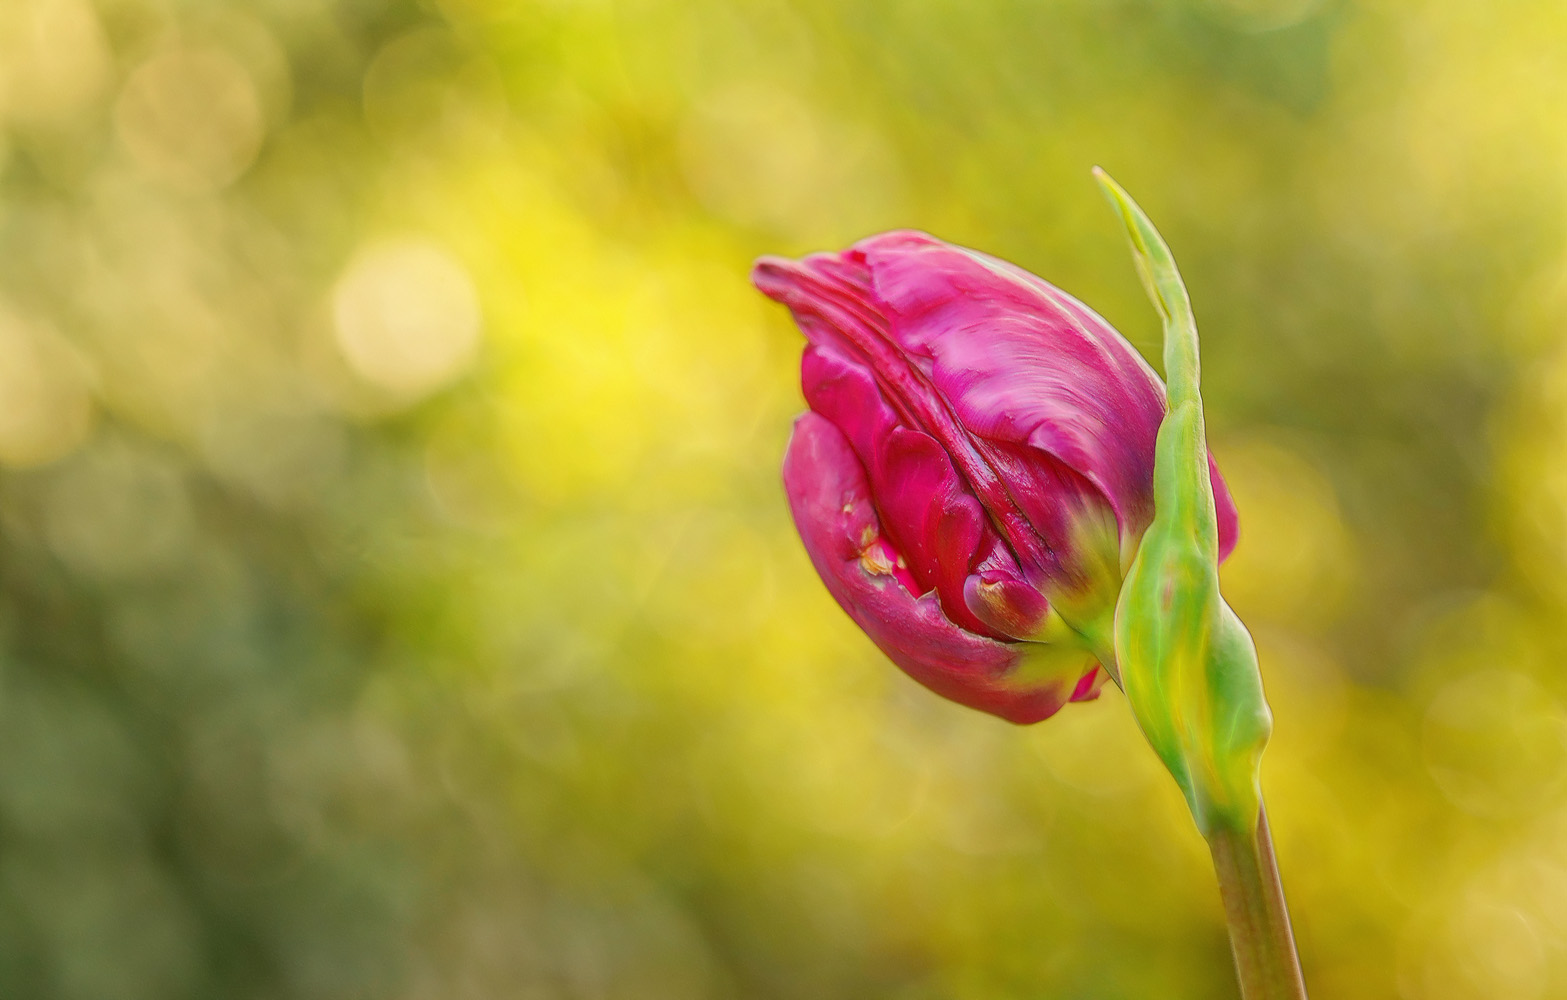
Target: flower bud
<point x="976" y="469"/>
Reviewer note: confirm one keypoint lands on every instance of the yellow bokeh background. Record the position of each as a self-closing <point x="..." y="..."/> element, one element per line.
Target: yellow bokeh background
<point x="397" y="597"/>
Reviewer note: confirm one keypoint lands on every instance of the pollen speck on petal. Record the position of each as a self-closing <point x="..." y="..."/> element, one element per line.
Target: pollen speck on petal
<point x="876" y="561"/>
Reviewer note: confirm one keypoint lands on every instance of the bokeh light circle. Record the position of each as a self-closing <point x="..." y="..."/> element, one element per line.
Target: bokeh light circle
<point x="191" y="117"/>
<point x="406" y="316"/>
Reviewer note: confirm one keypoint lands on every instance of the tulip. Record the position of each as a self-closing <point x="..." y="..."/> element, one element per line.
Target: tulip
<point x="975" y="472"/>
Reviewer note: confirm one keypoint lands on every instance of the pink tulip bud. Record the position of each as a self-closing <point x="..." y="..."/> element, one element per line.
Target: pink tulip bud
<point x="976" y="468"/>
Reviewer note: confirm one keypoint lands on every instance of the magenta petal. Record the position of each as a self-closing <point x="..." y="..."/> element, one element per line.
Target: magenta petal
<point x="1018" y="366"/>
<point x="1023" y="362"/>
<point x="917" y="489"/>
<point x="1008" y="605"/>
<point x="1224" y="507"/>
<point x="1088" y="687"/>
<point x="932" y="519"/>
<point x="829" y="496"/>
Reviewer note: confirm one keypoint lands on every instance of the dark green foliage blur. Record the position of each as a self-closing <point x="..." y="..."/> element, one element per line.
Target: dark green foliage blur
<point x="397" y="599"/>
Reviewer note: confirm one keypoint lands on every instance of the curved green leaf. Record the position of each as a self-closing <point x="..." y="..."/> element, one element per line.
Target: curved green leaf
<point x="1188" y="665"/>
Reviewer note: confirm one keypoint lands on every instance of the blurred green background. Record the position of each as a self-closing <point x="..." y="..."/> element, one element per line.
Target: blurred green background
<point x="398" y="600"/>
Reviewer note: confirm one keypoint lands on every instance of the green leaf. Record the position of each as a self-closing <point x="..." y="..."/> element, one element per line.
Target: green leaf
<point x="1188" y="665"/>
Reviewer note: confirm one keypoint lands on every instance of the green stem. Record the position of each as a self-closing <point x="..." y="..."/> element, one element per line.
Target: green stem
<point x="1260" y="936"/>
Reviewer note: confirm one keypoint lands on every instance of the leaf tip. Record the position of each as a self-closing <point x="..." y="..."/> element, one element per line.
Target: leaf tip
<point x="1112" y="190"/>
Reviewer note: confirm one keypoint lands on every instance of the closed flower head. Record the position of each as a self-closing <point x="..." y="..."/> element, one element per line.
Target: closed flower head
<point x="975" y="471"/>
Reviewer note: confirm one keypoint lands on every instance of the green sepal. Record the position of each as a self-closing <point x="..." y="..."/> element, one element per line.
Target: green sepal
<point x="1188" y="665"/>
